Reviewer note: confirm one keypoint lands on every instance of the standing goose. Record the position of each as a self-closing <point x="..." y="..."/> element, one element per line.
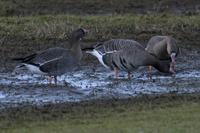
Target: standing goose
<point x="127" y="58"/>
<point x="110" y="46"/>
<point x="164" y="48"/>
<point x="55" y="61"/>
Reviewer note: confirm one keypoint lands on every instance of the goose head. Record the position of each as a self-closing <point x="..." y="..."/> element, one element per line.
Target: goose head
<point x="78" y="34"/>
<point x="165" y="67"/>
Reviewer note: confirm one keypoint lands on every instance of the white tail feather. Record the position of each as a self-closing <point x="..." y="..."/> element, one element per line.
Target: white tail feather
<point x="33" y="69"/>
<point x="99" y="56"/>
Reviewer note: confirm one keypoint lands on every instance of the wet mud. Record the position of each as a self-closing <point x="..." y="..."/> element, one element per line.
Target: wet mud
<point x="91" y="82"/>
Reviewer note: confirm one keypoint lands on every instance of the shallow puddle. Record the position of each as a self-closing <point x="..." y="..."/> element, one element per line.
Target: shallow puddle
<point x="85" y="84"/>
<point x="2" y="95"/>
<point x="88" y="83"/>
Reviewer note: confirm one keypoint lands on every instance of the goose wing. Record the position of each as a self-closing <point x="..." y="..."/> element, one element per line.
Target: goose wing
<point x="48" y="55"/>
<point x="128" y="59"/>
<point x="116" y="45"/>
<point x="60" y="65"/>
<point x="42" y="56"/>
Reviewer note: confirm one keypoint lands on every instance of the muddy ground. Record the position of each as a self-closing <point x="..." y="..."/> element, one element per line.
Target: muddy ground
<point x="91" y="81"/>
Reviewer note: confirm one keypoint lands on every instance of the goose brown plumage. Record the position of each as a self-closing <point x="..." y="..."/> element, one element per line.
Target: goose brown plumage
<point x="116" y="44"/>
<point x="164" y="48"/>
<point x="127" y="55"/>
<point x="55" y="61"/>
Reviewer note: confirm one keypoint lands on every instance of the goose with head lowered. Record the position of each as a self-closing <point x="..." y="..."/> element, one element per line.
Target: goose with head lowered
<point x="110" y="46"/>
<point x="127" y="55"/>
<point x="56" y="61"/>
<point x="164" y="48"/>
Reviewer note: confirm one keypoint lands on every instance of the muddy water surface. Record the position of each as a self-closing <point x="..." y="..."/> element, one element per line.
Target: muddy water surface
<point x="18" y="89"/>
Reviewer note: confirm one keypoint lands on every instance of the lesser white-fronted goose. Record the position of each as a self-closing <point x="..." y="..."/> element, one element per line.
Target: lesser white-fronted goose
<point x="56" y="61"/>
<point x="127" y="58"/>
<point x="164" y="48"/>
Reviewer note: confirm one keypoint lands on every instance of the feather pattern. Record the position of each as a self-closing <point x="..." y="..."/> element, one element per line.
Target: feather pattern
<point x="116" y="44"/>
<point x="162" y="47"/>
<point x="56" y="61"/>
<point x="129" y="59"/>
<point x="127" y="55"/>
<point x="107" y="48"/>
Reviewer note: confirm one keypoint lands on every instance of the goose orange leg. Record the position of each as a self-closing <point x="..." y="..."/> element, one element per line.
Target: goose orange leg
<point x="50" y="79"/>
<point x="55" y="80"/>
<point x="150" y="69"/>
<point x="129" y="75"/>
<point x="116" y="71"/>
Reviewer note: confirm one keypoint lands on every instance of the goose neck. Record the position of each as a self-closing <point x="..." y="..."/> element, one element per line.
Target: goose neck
<point x="76" y="49"/>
